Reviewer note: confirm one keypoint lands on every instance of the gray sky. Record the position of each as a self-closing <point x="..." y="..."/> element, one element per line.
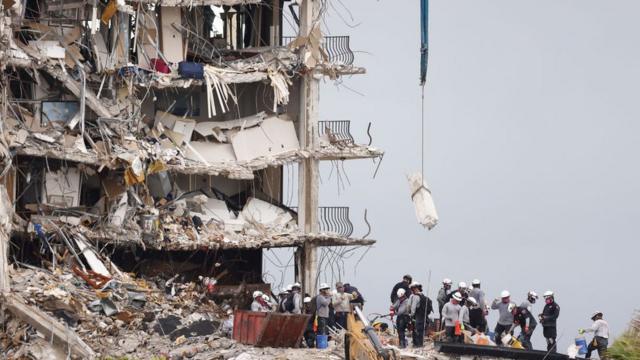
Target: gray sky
<point x="532" y="137"/>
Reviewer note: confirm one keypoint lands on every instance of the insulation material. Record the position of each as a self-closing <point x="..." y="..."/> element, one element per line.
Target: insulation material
<point x="280" y="83"/>
<point x="261" y="212"/>
<point x="210" y="152"/>
<point x="62" y="188"/>
<point x="423" y="202"/>
<point x="215" y="83"/>
<point x="273" y="136"/>
<point x="172" y="42"/>
<point x="183" y="126"/>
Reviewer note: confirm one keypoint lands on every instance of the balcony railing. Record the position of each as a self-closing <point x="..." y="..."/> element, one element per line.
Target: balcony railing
<point x="336" y="47"/>
<point x="338" y="131"/>
<point x="333" y="219"/>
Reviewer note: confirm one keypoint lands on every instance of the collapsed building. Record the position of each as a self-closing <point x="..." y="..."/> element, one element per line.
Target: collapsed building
<point x="143" y="147"/>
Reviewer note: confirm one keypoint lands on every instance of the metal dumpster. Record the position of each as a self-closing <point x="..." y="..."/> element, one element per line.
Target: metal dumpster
<point x="268" y="329"/>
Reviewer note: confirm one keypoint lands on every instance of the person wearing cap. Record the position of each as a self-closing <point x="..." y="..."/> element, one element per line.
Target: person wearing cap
<point x="282" y="297"/>
<point x="600" y="330"/>
<point x="341" y="305"/>
<point x="420" y="307"/>
<point x="309" y="332"/>
<point x="464" y="314"/>
<point x="296" y="295"/>
<point x="505" y="316"/>
<point x="450" y="316"/>
<point x="464" y="292"/>
<point x="402" y="309"/>
<point x="258" y="303"/>
<point x="404" y="284"/>
<point x="477" y="293"/>
<point x="523" y="318"/>
<point x="548" y="320"/>
<point x="443" y="296"/>
<point x="323" y="300"/>
<point x="266" y="302"/>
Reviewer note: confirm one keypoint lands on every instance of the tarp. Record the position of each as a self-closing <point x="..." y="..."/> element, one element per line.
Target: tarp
<point x="424" y="39"/>
<point x="423" y="202"/>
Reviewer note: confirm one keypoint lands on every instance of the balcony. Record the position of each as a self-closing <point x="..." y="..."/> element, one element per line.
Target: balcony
<point x="337" y="131"/>
<point x="336" y="47"/>
<point x="333" y="220"/>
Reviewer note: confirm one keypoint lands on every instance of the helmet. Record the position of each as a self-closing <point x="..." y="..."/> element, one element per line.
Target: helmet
<point x="283" y="290"/>
<point x="505" y="294"/>
<point x="547" y="294"/>
<point x="472" y="300"/>
<point x="289" y="287"/>
<point x="462" y="285"/>
<point x="475" y="282"/>
<point x="257" y="293"/>
<point x="296" y="285"/>
<point x="414" y="284"/>
<point x="596" y="314"/>
<point x="266" y="297"/>
<point x="532" y="294"/>
<point x="456" y="296"/>
<point x="306" y="299"/>
<point x="324" y="286"/>
<point x="446" y="281"/>
<point x="400" y="292"/>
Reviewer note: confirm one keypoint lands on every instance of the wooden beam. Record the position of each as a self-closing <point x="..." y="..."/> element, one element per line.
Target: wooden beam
<point x="51" y="328"/>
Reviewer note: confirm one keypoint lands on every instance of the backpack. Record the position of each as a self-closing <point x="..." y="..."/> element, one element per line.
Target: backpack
<point x="288" y="303"/>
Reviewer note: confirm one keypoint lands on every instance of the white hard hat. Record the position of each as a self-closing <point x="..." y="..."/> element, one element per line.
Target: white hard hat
<point x="462" y="284"/>
<point x="548" y="293"/>
<point x="457" y="296"/>
<point x="532" y="294"/>
<point x="505" y="294"/>
<point x="266" y="297"/>
<point x="257" y="293"/>
<point x="475" y="282"/>
<point x="446" y="281"/>
<point x="289" y="287"/>
<point x="324" y="286"/>
<point x="596" y="314"/>
<point x="306" y="299"/>
<point x="400" y="292"/>
<point x="296" y="285"/>
<point x="283" y="290"/>
<point x="472" y="300"/>
<point x="415" y="284"/>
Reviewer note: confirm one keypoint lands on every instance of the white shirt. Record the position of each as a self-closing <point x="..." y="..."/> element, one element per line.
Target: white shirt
<point x="599" y="328"/>
<point x="341" y="302"/>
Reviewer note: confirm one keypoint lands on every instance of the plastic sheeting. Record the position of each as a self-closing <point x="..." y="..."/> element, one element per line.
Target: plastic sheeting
<point x="422" y="200"/>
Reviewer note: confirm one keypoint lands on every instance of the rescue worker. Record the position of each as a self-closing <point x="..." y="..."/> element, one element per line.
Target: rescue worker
<point x="309" y="333"/>
<point x="464" y="292"/>
<point x="420" y="309"/>
<point x="450" y="316"/>
<point x="443" y="296"/>
<point x="505" y="317"/>
<point x="359" y="299"/>
<point x="402" y="309"/>
<point x="600" y="330"/>
<point x="523" y="318"/>
<point x="404" y="284"/>
<point x="464" y="317"/>
<point x="297" y="298"/>
<point x="258" y="303"/>
<point x="477" y="293"/>
<point x="323" y="300"/>
<point x="548" y="320"/>
<point x="267" y="302"/>
<point x="477" y="318"/>
<point x="283" y="297"/>
<point x="341" y="304"/>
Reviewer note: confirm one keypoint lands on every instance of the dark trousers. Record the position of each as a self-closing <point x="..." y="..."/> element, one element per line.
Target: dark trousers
<point x="401" y="325"/>
<point x="550" y="333"/>
<point x="500" y="331"/>
<point x="525" y="339"/>
<point x="599" y="343"/>
<point x="341" y="319"/>
<point x="310" y="338"/>
<point x="322" y="325"/>
<point x="450" y="333"/>
<point x="417" y="336"/>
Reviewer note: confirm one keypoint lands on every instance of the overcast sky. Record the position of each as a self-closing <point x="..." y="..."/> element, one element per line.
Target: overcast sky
<point x="532" y="141"/>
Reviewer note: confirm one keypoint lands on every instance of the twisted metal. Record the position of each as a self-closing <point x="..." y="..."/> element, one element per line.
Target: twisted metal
<point x="336" y="47"/>
<point x="336" y="130"/>
<point x="334" y="220"/>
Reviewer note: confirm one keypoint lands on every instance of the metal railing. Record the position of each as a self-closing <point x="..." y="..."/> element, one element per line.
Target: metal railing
<point x="336" y="47"/>
<point x="333" y="219"/>
<point x="336" y="130"/>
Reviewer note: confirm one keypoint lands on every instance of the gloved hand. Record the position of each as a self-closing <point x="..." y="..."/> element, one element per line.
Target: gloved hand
<point x="355" y="294"/>
<point x="580" y="331"/>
